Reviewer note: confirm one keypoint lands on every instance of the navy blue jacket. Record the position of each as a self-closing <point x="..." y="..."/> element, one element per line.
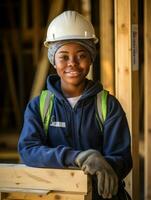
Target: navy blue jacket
<point x="76" y="131"/>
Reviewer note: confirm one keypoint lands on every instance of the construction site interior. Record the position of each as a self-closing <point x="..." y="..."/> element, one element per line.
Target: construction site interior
<point x="24" y="67"/>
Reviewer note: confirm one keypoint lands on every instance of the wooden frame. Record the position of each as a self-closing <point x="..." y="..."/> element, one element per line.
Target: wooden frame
<point x="123" y="74"/>
<point x="135" y="100"/>
<point x="107" y="45"/>
<point x="21" y="182"/>
<point x="147" y="71"/>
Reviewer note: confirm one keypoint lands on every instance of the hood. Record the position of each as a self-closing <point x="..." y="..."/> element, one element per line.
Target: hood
<point x="54" y="85"/>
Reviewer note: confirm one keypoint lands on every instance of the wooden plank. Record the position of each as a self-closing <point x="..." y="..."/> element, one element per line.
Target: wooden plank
<point x="135" y="101"/>
<point x="9" y="155"/>
<point x="123" y="62"/>
<point x="22" y="178"/>
<point x="49" y="196"/>
<point x="13" y="139"/>
<point x="107" y="44"/>
<point x="147" y="87"/>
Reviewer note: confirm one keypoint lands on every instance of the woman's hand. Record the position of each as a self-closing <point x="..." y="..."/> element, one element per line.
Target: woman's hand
<point x="92" y="162"/>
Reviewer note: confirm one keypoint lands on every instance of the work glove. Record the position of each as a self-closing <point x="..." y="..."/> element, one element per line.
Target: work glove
<point x="82" y="156"/>
<point x="107" y="178"/>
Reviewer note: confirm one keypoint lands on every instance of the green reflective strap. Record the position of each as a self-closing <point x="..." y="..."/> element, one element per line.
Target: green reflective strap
<point x="48" y="114"/>
<point x="104" y="103"/>
<point x="46" y="105"/>
<point x="101" y="107"/>
<point x="42" y="103"/>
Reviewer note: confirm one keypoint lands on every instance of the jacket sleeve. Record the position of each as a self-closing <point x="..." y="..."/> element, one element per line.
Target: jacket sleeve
<point x="33" y="147"/>
<point x="117" y="140"/>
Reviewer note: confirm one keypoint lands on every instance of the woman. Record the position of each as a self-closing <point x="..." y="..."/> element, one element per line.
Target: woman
<point x="74" y="137"/>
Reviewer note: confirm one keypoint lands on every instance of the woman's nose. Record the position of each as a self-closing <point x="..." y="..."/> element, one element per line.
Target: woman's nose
<point x="73" y="61"/>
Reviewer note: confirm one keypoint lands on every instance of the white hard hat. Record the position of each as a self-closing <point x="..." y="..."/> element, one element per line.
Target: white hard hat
<point x="69" y="25"/>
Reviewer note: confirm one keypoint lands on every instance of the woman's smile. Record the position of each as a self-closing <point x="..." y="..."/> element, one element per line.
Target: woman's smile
<point x="72" y="73"/>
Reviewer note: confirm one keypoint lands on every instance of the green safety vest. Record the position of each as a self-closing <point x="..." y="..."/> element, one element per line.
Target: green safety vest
<point x="47" y="101"/>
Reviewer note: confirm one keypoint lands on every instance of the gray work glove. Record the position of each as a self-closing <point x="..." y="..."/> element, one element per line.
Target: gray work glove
<point x="107" y="178"/>
<point x="82" y="156"/>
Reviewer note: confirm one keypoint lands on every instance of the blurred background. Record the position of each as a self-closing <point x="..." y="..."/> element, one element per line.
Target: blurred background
<point x="24" y="64"/>
<point x="23" y="57"/>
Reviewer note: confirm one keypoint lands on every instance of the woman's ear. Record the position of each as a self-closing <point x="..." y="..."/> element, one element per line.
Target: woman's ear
<point x="55" y="66"/>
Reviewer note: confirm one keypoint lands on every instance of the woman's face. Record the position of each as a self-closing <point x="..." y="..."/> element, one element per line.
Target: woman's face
<point x="72" y="62"/>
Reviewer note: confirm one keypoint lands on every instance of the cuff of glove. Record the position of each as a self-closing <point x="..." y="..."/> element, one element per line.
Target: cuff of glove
<point x="82" y="156"/>
<point x="70" y="158"/>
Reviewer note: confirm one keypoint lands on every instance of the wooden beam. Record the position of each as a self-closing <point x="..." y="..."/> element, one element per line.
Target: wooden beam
<point x="123" y="62"/>
<point x="86" y="9"/>
<point x="13" y="139"/>
<point x="147" y="78"/>
<point x="43" y="64"/>
<point x="9" y="155"/>
<point x="24" y="14"/>
<point x="135" y="101"/>
<point x="20" y="177"/>
<point x="49" y="196"/>
<point x="22" y="182"/>
<point x="1" y="196"/>
<point x="86" y="12"/>
<point x="36" y="5"/>
<point x="16" y="41"/>
<point x="107" y="44"/>
<point x="11" y="82"/>
<point x="27" y="34"/>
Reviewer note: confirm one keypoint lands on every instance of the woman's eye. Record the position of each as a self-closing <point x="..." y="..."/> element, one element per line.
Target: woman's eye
<point x="82" y="56"/>
<point x="64" y="57"/>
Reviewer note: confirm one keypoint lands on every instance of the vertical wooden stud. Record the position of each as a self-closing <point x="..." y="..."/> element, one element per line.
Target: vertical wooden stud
<point x="135" y="99"/>
<point x="147" y="71"/>
<point x="86" y="11"/>
<point x="107" y="44"/>
<point x="123" y="62"/>
<point x="24" y="14"/>
<point x="36" y="26"/>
